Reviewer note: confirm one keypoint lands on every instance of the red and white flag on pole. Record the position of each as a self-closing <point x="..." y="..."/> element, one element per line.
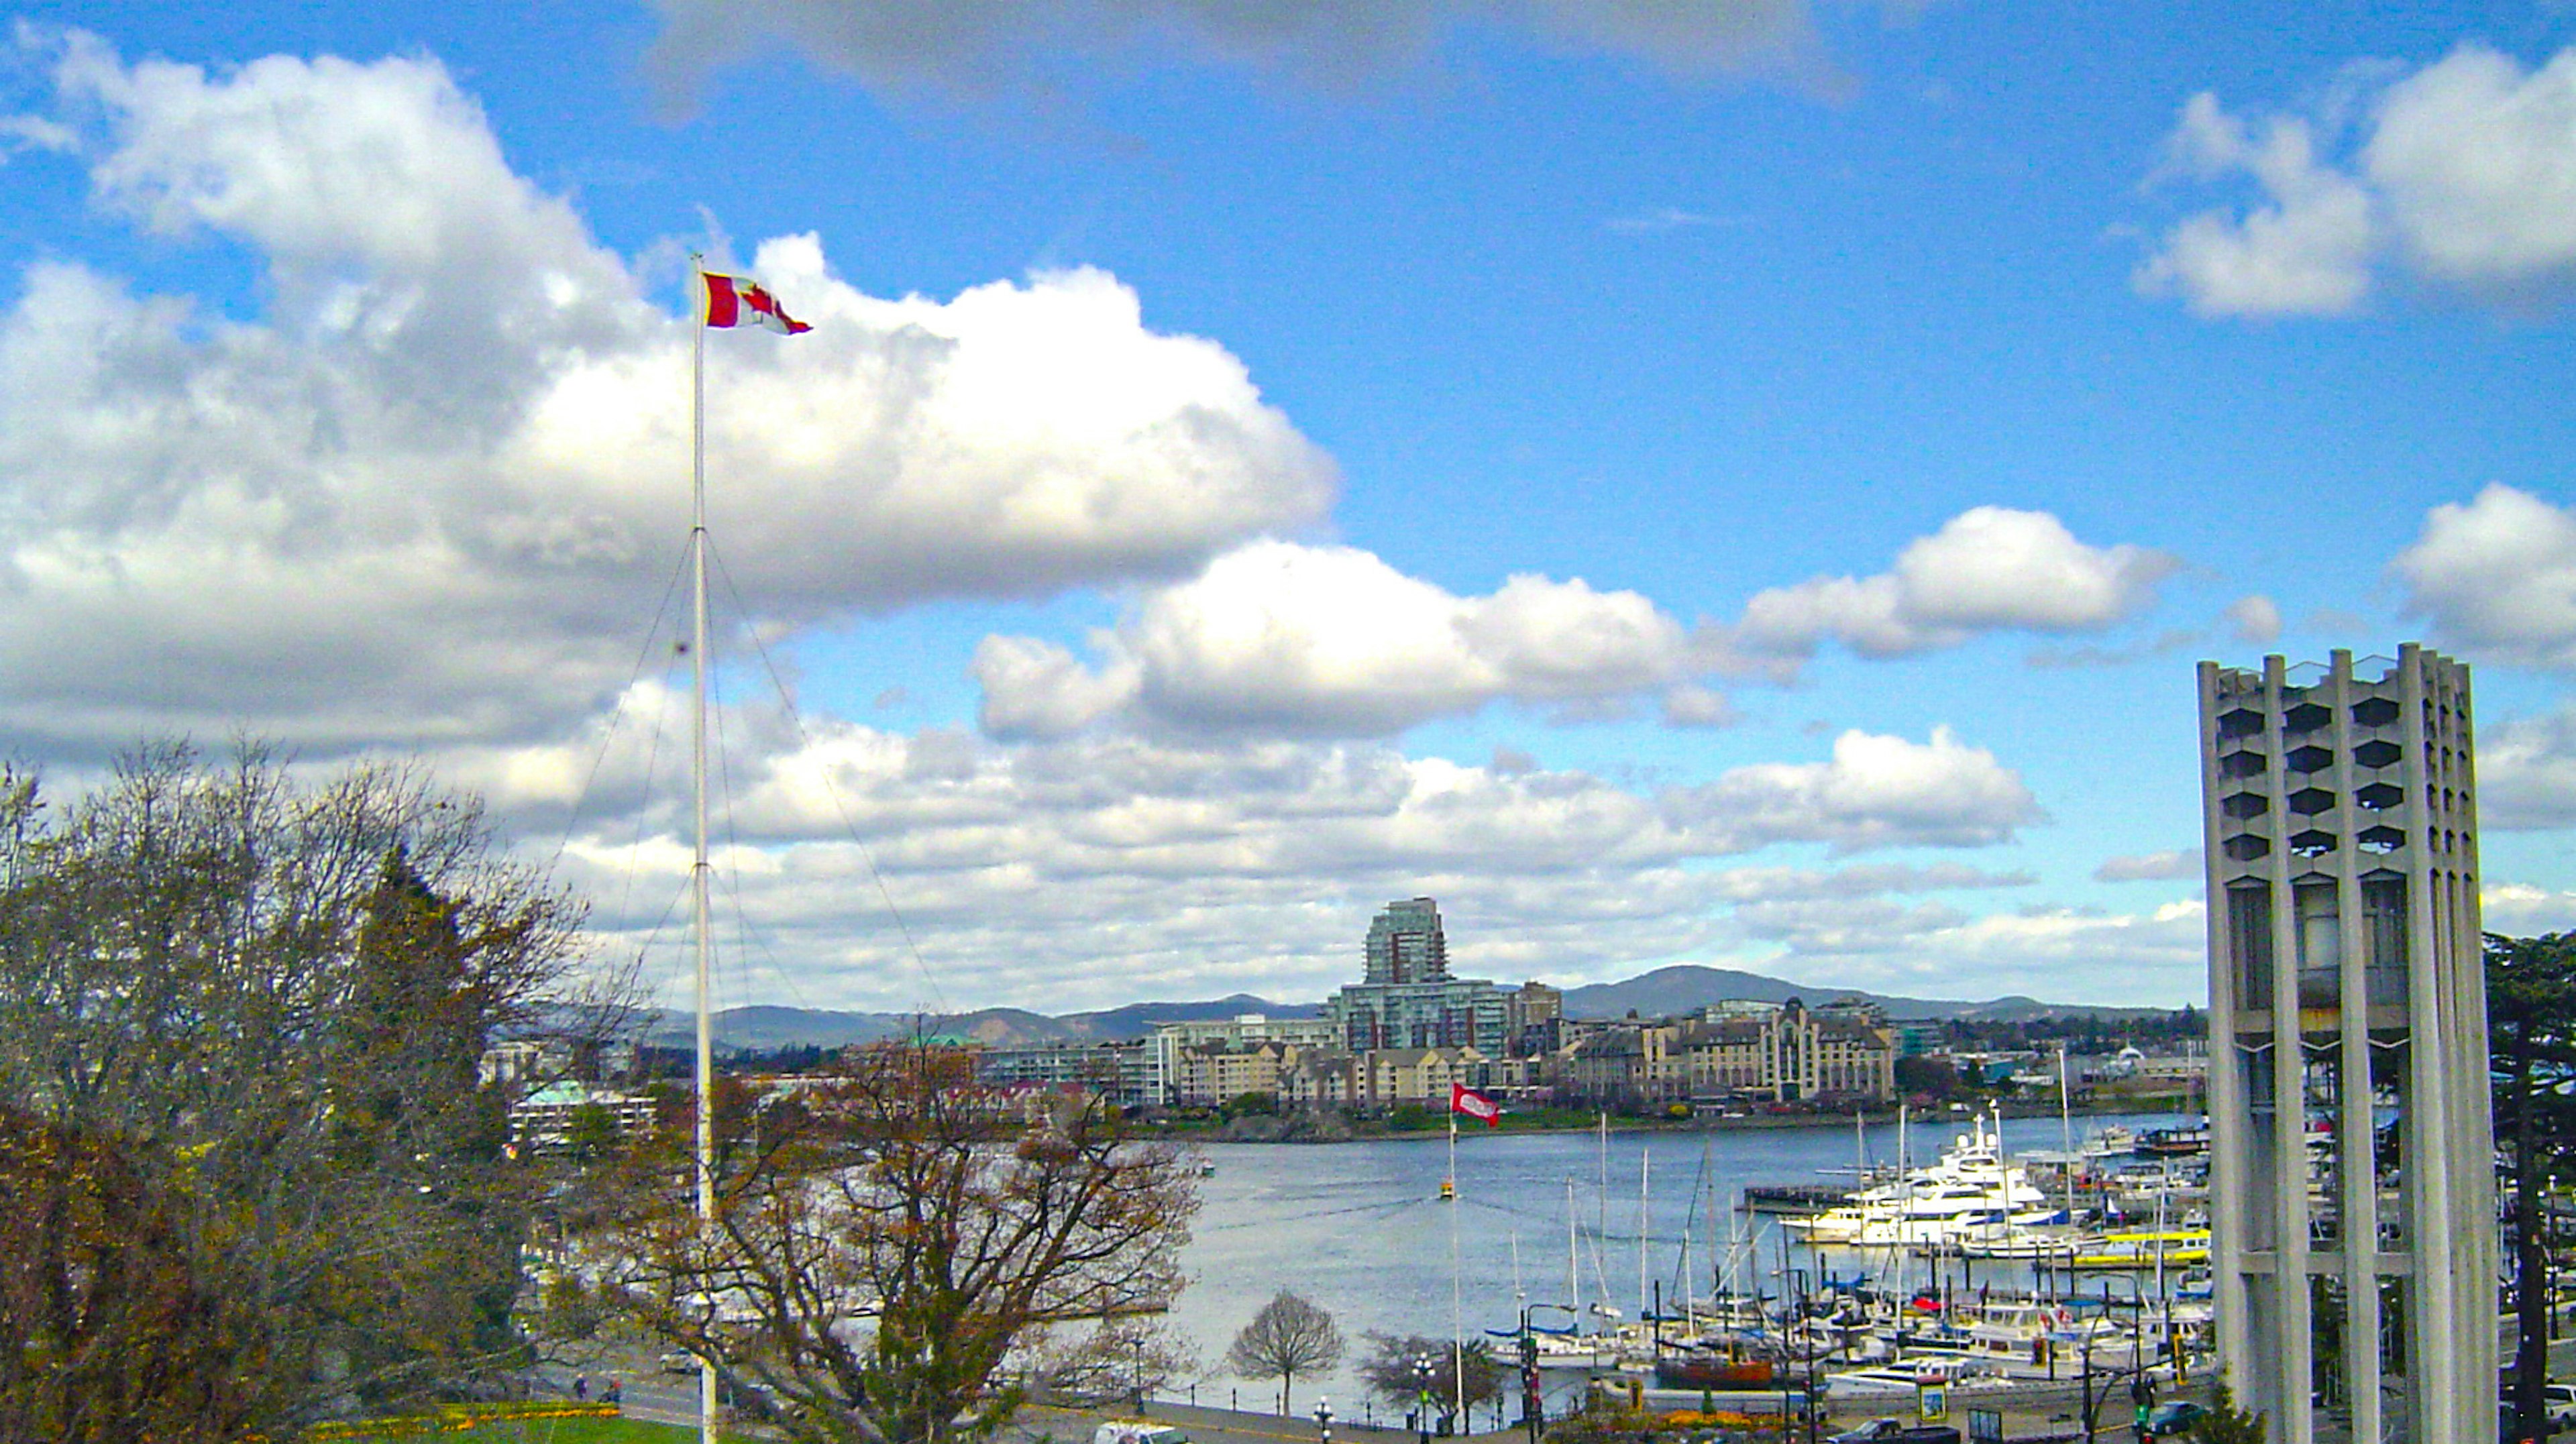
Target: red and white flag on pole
<point x="740" y="301"/>
<point x="1463" y="1099"/>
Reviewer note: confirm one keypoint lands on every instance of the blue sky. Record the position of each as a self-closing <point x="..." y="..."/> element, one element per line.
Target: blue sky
<point x="1740" y="485"/>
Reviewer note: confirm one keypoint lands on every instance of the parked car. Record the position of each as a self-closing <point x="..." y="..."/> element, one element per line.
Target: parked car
<point x="2558" y="1408"/>
<point x="2173" y="1420"/>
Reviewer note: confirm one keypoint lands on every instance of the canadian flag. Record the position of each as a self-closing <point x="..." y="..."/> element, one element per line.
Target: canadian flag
<point x="1463" y="1099"/>
<point x="738" y="300"/>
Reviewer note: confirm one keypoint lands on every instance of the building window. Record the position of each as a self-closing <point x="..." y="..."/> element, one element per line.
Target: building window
<point x="2249" y="932"/>
<point x="2320" y="944"/>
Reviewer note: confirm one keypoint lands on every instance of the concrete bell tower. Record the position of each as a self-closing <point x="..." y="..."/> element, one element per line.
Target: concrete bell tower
<point x="2352" y="1187"/>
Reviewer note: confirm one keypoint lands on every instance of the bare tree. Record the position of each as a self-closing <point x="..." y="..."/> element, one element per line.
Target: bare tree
<point x="1290" y="1336"/>
<point x="1399" y="1368"/>
<point x="258" y="1004"/>
<point x="1122" y="1360"/>
<point x="885" y="1239"/>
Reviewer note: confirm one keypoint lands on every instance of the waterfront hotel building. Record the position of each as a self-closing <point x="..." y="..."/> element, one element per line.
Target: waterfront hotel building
<point x="2352" y="1189"/>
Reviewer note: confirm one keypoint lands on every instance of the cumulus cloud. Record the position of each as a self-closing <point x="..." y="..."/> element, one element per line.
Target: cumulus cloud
<point x="2254" y="620"/>
<point x="1987" y="569"/>
<point x="1281" y="637"/>
<point x="2150" y="866"/>
<point x="1875" y="791"/>
<point x="2305" y="250"/>
<point x="2477" y="160"/>
<point x="426" y="494"/>
<point x="2496" y="577"/>
<point x="1062" y="872"/>
<point x="2462" y="174"/>
<point x="1040" y="45"/>
<point x="2527" y="772"/>
<point x="1800" y="884"/>
<point x="1692" y="705"/>
<point x="2059" y="954"/>
<point x="2520" y="909"/>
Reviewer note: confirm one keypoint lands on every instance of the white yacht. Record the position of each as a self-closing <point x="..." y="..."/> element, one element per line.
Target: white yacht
<point x="1971" y="1184"/>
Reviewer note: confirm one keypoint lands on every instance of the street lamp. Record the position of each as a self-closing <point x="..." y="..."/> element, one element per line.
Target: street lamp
<point x="1324" y="1420"/>
<point x="1422" y="1397"/>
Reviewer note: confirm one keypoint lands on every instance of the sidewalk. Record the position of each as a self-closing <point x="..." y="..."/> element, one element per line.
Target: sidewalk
<point x="1205" y="1423"/>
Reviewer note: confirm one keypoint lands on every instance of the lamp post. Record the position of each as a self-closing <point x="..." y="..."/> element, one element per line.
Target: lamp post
<point x="1422" y="1397"/>
<point x="1324" y="1421"/>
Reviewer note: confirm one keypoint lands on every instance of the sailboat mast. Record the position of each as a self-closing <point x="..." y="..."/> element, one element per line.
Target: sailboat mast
<point x="2065" y="1132"/>
<point x="698" y="789"/>
<point x="1573" y="1271"/>
<point x="1644" y="1174"/>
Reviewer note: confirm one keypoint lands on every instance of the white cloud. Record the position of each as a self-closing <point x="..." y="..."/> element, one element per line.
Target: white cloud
<point x="1087" y="870"/>
<point x="1048" y="46"/>
<point x="1987" y="569"/>
<point x="1691" y="705"/>
<point x="2463" y="173"/>
<point x="433" y="489"/>
<point x="2496" y="577"/>
<point x="2150" y="866"/>
<point x="2305" y="252"/>
<point x="2519" y="909"/>
<point x="2254" y="620"/>
<point x="1795" y="884"/>
<point x="2477" y="161"/>
<point x="1281" y="637"/>
<point x="1928" y="950"/>
<point x="1663" y="218"/>
<point x="2527" y="772"/>
<point x="1874" y="792"/>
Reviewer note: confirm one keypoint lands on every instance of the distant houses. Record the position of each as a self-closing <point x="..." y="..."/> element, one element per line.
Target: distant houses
<point x="1409" y="1031"/>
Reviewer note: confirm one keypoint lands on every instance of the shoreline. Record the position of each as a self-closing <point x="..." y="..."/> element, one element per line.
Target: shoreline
<point x="1310" y="1129"/>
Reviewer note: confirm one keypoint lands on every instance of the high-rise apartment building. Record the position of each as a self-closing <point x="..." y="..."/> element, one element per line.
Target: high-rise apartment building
<point x="1405" y="944"/>
<point x="1406" y="998"/>
<point x="2352" y="1190"/>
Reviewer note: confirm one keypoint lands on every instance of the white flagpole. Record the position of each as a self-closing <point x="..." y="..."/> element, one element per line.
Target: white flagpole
<point x="1457" y="1310"/>
<point x="698" y="786"/>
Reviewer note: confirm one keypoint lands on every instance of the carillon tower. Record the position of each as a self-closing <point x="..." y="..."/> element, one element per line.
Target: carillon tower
<point x="2351" y="1186"/>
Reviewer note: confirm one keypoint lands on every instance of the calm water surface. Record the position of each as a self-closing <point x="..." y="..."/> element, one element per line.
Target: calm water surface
<point x="1359" y="1227"/>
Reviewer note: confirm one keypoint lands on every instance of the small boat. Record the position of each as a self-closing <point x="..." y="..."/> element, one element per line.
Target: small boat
<point x="2145" y="1250"/>
<point x="1882" y="1380"/>
<point x="1711" y="1370"/>
<point x="2174" y="1142"/>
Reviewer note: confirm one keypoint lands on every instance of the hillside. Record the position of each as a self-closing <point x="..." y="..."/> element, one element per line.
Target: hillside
<point x="1681" y="988"/>
<point x="1664" y="991"/>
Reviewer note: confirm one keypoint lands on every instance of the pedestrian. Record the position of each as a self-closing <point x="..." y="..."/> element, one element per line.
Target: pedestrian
<point x="614" y="1394"/>
<point x="581" y="1386"/>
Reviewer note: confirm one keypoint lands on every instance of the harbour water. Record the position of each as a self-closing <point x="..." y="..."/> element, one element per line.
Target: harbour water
<point x="1360" y="1229"/>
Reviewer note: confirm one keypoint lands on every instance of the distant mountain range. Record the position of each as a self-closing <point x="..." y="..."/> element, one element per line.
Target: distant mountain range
<point x="1657" y="994"/>
<point x="1681" y="988"/>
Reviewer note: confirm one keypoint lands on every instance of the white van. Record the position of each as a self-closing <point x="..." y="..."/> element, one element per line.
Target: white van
<point x="1137" y="1431"/>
